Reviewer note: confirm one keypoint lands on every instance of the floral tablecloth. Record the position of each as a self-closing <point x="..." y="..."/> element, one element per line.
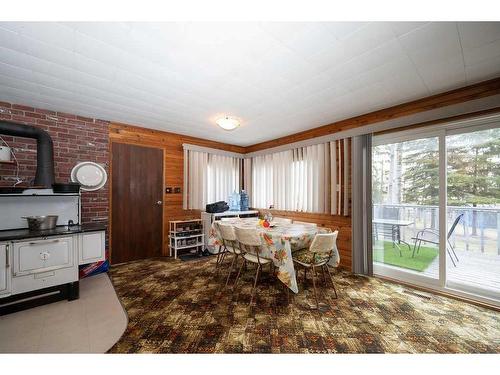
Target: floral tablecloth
<point x="278" y="244"/>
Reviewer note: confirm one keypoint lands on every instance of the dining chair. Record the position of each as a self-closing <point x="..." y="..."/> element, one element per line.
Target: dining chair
<point x="231" y="245"/>
<point x="221" y="252"/>
<point x="251" y="248"/>
<point x="318" y="254"/>
<point x="305" y="223"/>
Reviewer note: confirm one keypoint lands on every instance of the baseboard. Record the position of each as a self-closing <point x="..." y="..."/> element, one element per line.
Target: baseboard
<point x="440" y="293"/>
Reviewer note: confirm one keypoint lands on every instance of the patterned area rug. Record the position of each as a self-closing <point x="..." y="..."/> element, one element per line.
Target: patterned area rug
<point x="179" y="307"/>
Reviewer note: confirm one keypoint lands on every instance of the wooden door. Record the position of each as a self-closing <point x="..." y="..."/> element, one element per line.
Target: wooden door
<point x="136" y="202"/>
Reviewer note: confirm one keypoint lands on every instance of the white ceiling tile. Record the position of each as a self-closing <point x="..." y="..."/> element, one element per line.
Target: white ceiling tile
<point x="486" y="70"/>
<point x="444" y="75"/>
<point x="481" y="53"/>
<point x="113" y="33"/>
<point x="474" y="34"/>
<point x="11" y="70"/>
<point x="94" y="49"/>
<point x="56" y="35"/>
<point x="11" y="39"/>
<point x="368" y="37"/>
<point x="363" y="40"/>
<point x="305" y="38"/>
<point x="25" y="61"/>
<point x="342" y="30"/>
<point x="46" y="51"/>
<point x="18" y="83"/>
<point x="66" y="94"/>
<point x="433" y="42"/>
<point x="401" y="28"/>
<point x="94" y="67"/>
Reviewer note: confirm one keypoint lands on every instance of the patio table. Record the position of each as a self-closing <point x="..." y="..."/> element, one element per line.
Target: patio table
<point x="395" y="228"/>
<point x="279" y="242"/>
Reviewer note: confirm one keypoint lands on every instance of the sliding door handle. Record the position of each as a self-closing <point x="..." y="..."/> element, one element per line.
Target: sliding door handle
<point x="159" y="203"/>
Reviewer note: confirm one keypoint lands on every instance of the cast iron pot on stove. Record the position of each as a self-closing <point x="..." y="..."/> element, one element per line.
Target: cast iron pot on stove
<point x="64" y="188"/>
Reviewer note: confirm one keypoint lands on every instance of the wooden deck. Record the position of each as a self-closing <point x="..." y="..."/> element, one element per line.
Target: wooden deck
<point x="474" y="269"/>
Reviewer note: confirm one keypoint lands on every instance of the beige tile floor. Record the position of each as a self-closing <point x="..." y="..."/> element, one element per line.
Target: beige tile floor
<point x="91" y="324"/>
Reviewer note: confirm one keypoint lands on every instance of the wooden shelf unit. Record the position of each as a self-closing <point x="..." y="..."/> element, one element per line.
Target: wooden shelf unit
<point x="184" y="235"/>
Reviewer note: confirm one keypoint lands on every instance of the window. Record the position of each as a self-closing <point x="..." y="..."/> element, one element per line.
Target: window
<point x="223" y="177"/>
<point x="294" y="180"/>
<point x="209" y="178"/>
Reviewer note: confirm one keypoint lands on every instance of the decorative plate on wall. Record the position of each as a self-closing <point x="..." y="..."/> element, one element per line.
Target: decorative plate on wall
<point x="90" y="175"/>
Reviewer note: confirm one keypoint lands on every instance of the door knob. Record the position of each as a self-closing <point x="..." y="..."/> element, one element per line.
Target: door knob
<point x="159" y="203"/>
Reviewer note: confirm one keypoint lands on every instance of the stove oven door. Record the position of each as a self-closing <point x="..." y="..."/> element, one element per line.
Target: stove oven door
<point x="43" y="255"/>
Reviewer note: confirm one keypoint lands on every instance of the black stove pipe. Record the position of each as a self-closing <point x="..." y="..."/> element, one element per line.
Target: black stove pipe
<point x="44" y="175"/>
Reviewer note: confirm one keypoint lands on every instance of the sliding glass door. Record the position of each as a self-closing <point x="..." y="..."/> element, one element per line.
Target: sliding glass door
<point x="425" y="180"/>
<point x="473" y="214"/>
<point x="405" y="190"/>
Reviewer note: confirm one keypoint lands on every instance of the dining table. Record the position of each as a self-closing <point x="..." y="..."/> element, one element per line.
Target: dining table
<point x="279" y="242"/>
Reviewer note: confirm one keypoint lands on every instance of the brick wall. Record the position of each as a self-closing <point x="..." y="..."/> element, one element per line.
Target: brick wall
<point x="75" y="139"/>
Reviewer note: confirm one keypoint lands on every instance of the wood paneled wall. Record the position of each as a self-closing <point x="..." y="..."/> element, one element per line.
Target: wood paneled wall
<point x="173" y="164"/>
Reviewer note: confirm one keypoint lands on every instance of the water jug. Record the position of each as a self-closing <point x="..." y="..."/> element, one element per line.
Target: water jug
<point x="244" y="201"/>
<point x="234" y="202"/>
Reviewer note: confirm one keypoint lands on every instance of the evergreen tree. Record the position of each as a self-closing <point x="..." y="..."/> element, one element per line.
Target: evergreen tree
<point x="421" y="172"/>
<point x="474" y="173"/>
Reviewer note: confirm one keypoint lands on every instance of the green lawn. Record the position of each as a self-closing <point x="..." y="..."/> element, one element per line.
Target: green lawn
<point x="390" y="255"/>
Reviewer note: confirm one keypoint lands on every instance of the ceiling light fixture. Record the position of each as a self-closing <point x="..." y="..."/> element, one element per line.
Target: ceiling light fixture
<point x="227" y="123"/>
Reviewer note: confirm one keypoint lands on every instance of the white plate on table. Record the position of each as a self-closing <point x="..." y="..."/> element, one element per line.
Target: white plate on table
<point x="90" y="175"/>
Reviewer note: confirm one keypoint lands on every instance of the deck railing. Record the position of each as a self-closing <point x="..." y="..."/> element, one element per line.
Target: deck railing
<point x="477" y="231"/>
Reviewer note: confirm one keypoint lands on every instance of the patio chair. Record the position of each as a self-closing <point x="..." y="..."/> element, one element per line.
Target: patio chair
<point x="318" y="255"/>
<point x="430" y="235"/>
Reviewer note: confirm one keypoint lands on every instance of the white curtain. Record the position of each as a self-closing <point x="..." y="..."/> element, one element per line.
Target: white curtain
<point x="209" y="178"/>
<point x="262" y="181"/>
<point x="310" y="182"/>
<point x="223" y="177"/>
<point x="308" y="179"/>
<point x="197" y="192"/>
<point x="295" y="180"/>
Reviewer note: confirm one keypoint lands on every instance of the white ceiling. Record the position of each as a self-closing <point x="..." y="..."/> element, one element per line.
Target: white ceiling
<point x="278" y="78"/>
